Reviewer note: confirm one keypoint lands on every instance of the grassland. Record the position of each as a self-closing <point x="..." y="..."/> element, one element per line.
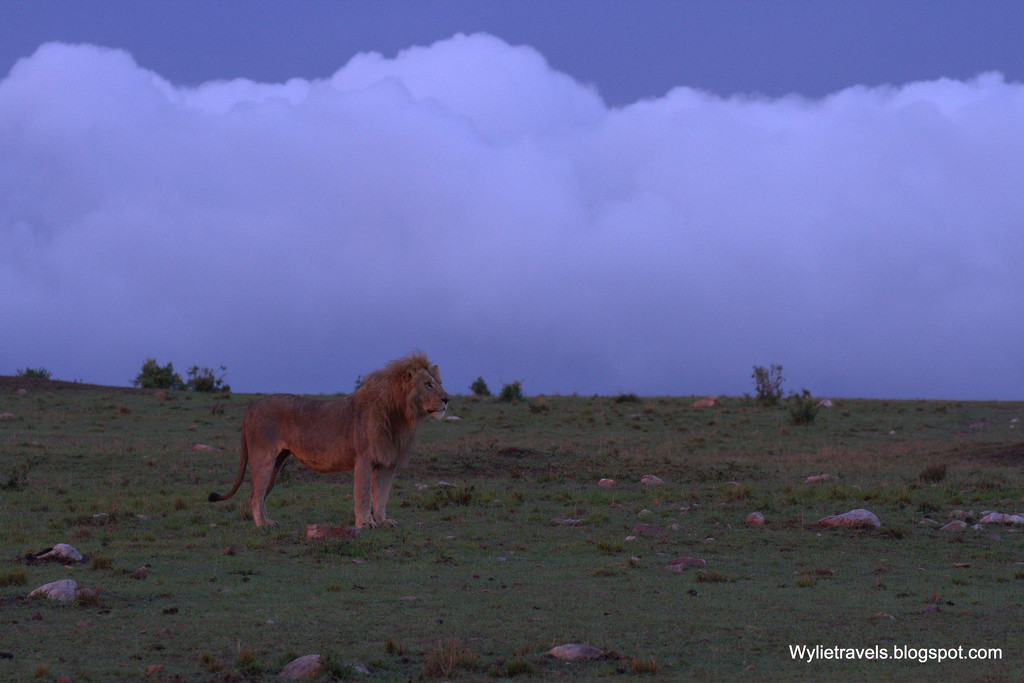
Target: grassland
<point x="477" y="582"/>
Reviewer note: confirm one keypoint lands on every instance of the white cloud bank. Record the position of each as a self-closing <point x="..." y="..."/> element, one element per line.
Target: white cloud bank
<point x="467" y="200"/>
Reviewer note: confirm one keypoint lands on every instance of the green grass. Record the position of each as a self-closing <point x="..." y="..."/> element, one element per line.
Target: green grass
<point x="476" y="582"/>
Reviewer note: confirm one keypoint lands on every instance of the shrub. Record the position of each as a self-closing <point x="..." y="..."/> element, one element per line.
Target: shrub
<point x="802" y="408"/>
<point x="479" y="387"/>
<point x="768" y="383"/>
<point x="34" y="373"/>
<point x="154" y="376"/>
<point x="204" y="379"/>
<point x="627" y="398"/>
<point x="511" y="392"/>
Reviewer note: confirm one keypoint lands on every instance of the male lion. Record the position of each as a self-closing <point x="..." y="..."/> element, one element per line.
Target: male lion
<point x="369" y="432"/>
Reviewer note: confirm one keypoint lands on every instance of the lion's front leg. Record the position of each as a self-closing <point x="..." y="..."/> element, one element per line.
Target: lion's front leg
<point x="382" y="478"/>
<point x="362" y="476"/>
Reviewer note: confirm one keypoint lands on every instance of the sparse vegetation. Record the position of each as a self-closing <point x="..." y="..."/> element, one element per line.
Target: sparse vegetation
<point x="803" y="408"/>
<point x="206" y="380"/>
<point x="155" y="376"/>
<point x="479" y="387"/>
<point x="34" y="373"/>
<point x="511" y="392"/>
<point x="768" y="383"/>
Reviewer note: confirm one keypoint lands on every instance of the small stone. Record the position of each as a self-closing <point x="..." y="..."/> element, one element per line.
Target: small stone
<point x="755" y="519"/>
<point x="962" y="515"/>
<point x="307" y="666"/>
<point x="854" y="518"/>
<point x="955" y="525"/>
<point x="567" y="521"/>
<point x="817" y="478"/>
<point x="64" y="590"/>
<point x="230" y="550"/>
<point x="6" y="416"/>
<point x="139" y="574"/>
<point x="651" y="480"/>
<point x="203" y="447"/>
<point x="572" y="652"/>
<point x="607" y="483"/>
<point x="154" y="669"/>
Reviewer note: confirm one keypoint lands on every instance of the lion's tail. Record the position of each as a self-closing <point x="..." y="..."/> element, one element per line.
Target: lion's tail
<point x="214" y="497"/>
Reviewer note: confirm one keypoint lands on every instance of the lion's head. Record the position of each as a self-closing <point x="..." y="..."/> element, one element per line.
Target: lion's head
<point x="411" y="384"/>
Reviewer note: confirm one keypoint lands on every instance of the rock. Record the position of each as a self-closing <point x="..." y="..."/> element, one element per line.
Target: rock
<point x="755" y="519"/>
<point x="962" y="515"/>
<point x="61" y="552"/>
<point x="995" y="518"/>
<point x="818" y="477"/>
<point x="307" y="666"/>
<point x="326" y="531"/>
<point x="139" y="574"/>
<point x="1015" y="519"/>
<point x="572" y="652"/>
<point x="927" y="521"/>
<point x="854" y="518"/>
<point x="567" y="521"/>
<point x="955" y="525"/>
<point x="64" y="590"/>
<point x="203" y="447"/>
<point x="154" y="669"/>
<point x="651" y="480"/>
<point x="825" y="403"/>
<point x="607" y="483"/>
<point x="6" y="416"/>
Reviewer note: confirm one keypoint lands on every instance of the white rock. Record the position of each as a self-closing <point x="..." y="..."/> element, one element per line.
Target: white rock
<point x="818" y="477"/>
<point x="607" y="483"/>
<point x="1015" y="519"/>
<point x="64" y="590"/>
<point x="995" y="518"/>
<point x="63" y="552"/>
<point x="955" y="525"/>
<point x="651" y="480"/>
<point x="571" y="652"/>
<point x="755" y="519"/>
<point x="854" y="518"/>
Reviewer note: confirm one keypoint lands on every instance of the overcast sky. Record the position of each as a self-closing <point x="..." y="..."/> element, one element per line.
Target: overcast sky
<point x="598" y="197"/>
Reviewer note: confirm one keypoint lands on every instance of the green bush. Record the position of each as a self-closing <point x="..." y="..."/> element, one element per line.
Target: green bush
<point x="803" y="408"/>
<point x="511" y="392"/>
<point x="154" y="376"/>
<point x="34" y="373"/>
<point x="479" y="387"/>
<point x="768" y="383"/>
<point x="204" y="379"/>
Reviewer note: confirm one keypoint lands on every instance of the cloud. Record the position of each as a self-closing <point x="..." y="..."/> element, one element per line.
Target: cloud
<point x="466" y="199"/>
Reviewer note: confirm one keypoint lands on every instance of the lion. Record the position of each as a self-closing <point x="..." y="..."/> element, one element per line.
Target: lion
<point x="369" y="432"/>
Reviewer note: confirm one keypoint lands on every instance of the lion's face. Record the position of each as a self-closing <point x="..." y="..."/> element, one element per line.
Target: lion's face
<point x="429" y="396"/>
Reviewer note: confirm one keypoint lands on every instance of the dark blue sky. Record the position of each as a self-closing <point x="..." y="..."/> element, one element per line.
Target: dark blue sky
<point x="630" y="49"/>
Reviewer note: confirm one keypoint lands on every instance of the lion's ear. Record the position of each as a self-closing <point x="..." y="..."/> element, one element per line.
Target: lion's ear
<point x="408" y="375"/>
<point x="435" y="372"/>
